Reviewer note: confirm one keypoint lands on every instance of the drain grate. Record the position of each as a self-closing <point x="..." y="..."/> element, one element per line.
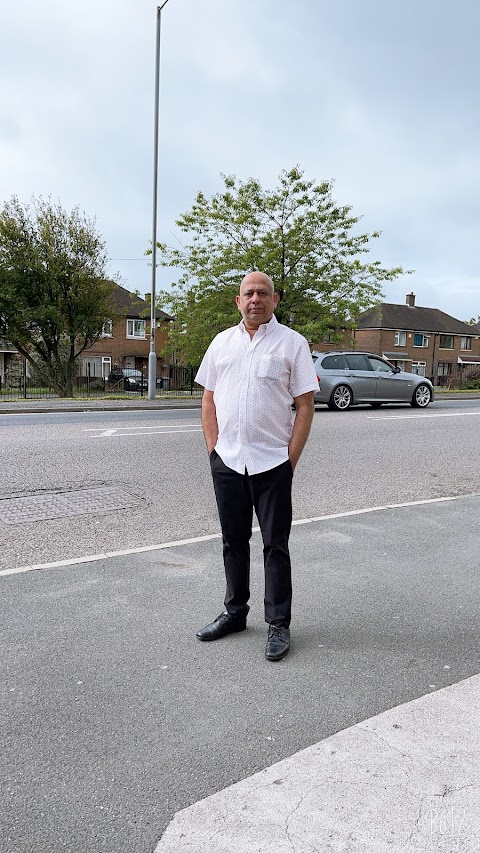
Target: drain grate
<point x="63" y="504"/>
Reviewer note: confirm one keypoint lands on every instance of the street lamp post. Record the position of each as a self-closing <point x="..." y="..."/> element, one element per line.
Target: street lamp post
<point x="152" y="356"/>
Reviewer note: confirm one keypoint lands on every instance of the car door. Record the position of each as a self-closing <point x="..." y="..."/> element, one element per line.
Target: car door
<point x="361" y="377"/>
<point x="390" y="386"/>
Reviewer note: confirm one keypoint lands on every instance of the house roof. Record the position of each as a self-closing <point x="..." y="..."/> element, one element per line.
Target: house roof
<point x="414" y="319"/>
<point x="5" y="346"/>
<point x="134" y="306"/>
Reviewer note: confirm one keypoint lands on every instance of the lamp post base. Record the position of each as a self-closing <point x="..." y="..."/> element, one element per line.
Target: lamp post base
<point x="152" y="375"/>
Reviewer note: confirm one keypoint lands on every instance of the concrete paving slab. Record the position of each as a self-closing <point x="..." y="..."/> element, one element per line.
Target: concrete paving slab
<point x="405" y="781"/>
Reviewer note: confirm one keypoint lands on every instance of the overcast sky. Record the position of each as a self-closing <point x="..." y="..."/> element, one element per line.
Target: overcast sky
<point x="381" y="97"/>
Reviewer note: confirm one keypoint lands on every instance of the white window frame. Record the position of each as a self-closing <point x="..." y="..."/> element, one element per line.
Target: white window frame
<point x="419" y="367"/>
<point x="466" y="343"/>
<point x="103" y="363"/>
<point x="106" y="365"/>
<point x="425" y="340"/>
<point x="444" y="368"/>
<point x="137" y="329"/>
<point x="106" y="329"/>
<point x="400" y="339"/>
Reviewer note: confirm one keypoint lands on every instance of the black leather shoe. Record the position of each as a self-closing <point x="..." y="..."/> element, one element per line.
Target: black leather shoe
<point x="278" y="642"/>
<point x="223" y="625"/>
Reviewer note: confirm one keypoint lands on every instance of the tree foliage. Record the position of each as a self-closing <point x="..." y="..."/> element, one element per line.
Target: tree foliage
<point x="296" y="233"/>
<point x="54" y="298"/>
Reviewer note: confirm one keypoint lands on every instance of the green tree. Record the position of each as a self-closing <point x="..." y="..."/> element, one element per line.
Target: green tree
<point x="54" y="296"/>
<point x="296" y="233"/>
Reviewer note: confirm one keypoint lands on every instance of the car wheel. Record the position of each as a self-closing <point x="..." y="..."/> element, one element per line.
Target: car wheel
<point x="421" y="396"/>
<point x="341" y="398"/>
<point x="375" y="405"/>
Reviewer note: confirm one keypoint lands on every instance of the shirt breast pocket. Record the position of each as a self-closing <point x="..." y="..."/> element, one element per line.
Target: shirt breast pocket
<point x="270" y="367"/>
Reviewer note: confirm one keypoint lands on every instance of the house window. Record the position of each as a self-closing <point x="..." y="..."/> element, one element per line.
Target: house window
<point x="466" y="343"/>
<point x="400" y="339"/>
<point x="106" y="329"/>
<point x="136" y="328"/>
<point x="446" y="342"/>
<point x="420" y="340"/>
<point x="419" y="367"/>
<point x="444" y="368"/>
<point x="96" y="367"/>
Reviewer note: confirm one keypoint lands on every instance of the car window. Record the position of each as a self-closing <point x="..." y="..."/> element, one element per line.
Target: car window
<point x="379" y="364"/>
<point x="357" y="361"/>
<point x="334" y="362"/>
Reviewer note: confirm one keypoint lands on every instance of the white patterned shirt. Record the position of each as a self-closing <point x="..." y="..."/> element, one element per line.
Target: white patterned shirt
<point x="254" y="381"/>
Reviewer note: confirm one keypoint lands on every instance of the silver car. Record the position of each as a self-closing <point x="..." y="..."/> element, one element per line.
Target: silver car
<point x="347" y="378"/>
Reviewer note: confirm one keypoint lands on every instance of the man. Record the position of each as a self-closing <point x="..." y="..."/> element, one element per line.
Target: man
<point x="252" y="373"/>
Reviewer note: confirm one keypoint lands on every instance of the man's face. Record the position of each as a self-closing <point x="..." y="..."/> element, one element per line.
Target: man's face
<point x="256" y="301"/>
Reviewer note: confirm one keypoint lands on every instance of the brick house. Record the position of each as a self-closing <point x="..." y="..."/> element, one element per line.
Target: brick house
<point x="8" y="354"/>
<point x="126" y="341"/>
<point x="425" y="341"/>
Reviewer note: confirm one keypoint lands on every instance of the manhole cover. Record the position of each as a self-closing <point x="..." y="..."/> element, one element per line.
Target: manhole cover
<point x="61" y="504"/>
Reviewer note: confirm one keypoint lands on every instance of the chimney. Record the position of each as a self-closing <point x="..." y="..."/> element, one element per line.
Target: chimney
<point x="410" y="300"/>
<point x="148" y="296"/>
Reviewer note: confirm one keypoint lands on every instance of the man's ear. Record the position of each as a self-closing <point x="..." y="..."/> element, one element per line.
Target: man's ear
<point x="237" y="300"/>
<point x="276" y="297"/>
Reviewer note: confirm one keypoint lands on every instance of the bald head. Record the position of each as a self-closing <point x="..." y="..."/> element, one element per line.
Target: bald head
<point x="259" y="278"/>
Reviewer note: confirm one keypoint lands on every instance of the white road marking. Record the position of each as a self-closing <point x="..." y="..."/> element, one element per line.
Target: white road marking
<point x="422" y="415"/>
<point x="134" y="434"/>
<point x="92" y="558"/>
<point x="155" y="426"/>
<point x="130" y="432"/>
<point x="381" y="508"/>
<point x="178" y="542"/>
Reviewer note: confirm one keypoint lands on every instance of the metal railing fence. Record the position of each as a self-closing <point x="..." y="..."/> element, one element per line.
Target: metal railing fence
<point x="177" y="382"/>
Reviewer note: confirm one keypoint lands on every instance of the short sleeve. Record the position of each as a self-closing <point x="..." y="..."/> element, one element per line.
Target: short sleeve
<point x="207" y="373"/>
<point x="303" y="377"/>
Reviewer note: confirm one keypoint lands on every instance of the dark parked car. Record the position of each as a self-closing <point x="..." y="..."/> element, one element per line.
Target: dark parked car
<point x="348" y="378"/>
<point x="129" y="378"/>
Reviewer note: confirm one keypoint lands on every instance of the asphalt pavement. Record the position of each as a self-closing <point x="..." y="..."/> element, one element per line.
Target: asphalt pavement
<point x="121" y="732"/>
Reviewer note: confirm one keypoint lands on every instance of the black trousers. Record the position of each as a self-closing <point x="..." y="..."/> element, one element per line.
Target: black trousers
<point x="270" y="494"/>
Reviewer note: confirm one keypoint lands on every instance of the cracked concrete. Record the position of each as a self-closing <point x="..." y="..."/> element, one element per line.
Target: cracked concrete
<point x="411" y="787"/>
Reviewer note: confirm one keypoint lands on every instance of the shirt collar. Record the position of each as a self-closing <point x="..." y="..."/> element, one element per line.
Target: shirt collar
<point x="265" y="328"/>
